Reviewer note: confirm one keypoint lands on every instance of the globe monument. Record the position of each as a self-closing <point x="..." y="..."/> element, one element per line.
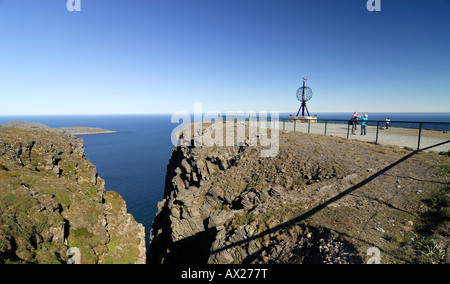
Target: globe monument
<point x="304" y="94"/>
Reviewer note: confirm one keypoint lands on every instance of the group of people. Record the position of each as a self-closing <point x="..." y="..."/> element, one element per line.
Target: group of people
<point x="356" y="119"/>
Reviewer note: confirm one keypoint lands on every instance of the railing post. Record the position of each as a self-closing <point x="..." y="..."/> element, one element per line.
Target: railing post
<point x="295" y="124"/>
<point x="326" y="121"/>
<point x="284" y="124"/>
<point x="420" y="136"/>
<point x="378" y="127"/>
<point x="348" y="130"/>
<point x="309" y="126"/>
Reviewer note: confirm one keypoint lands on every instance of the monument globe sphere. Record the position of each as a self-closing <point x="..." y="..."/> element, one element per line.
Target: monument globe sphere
<point x="303" y="95"/>
<point x="308" y="94"/>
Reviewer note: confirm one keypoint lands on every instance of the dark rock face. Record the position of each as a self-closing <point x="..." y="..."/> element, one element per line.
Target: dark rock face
<point x="52" y="199"/>
<point x="320" y="200"/>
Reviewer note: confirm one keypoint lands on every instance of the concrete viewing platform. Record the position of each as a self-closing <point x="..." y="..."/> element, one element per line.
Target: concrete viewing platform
<point x="403" y="137"/>
<point x="303" y="119"/>
<point x="395" y="136"/>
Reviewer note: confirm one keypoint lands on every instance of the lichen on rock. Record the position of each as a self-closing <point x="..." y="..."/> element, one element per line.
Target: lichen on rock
<point x="52" y="199"/>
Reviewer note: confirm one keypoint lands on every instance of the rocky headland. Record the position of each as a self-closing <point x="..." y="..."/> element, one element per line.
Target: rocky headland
<point x="52" y="199"/>
<point x="77" y="130"/>
<point x="318" y="200"/>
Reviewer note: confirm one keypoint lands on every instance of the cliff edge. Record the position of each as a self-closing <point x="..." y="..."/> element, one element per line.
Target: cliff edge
<point x="319" y="200"/>
<point x="52" y="199"/>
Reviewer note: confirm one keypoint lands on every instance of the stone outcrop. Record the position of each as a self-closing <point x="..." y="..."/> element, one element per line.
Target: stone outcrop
<point x="319" y="200"/>
<point x="52" y="199"/>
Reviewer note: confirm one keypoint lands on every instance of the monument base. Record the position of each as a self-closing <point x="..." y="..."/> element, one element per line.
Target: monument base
<point x="303" y="119"/>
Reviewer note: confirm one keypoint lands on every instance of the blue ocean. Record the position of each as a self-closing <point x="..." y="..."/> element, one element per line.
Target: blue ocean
<point x="133" y="161"/>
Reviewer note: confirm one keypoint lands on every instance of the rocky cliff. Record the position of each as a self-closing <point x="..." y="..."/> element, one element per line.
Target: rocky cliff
<point x="52" y="199"/>
<point x="319" y="200"/>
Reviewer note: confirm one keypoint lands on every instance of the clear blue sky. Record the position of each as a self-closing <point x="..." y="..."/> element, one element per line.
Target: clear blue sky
<point x="145" y="56"/>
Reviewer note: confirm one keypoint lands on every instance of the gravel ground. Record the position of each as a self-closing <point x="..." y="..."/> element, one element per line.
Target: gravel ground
<point x="394" y="136"/>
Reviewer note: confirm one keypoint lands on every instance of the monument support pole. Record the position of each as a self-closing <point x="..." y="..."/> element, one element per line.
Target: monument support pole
<point x="303" y="99"/>
<point x="305" y="96"/>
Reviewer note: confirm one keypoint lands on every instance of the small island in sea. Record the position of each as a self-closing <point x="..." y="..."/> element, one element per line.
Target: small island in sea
<point x="78" y="130"/>
<point x="85" y="130"/>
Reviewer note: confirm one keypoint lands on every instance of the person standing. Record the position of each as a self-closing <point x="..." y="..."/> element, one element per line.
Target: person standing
<point x="354" y="122"/>
<point x="363" y="123"/>
<point x="388" y="121"/>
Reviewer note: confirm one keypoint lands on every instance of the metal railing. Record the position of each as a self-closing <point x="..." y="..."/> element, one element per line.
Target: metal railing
<point x="414" y="135"/>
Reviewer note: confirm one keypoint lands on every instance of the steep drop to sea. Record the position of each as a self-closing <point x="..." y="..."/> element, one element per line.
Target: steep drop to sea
<point x="319" y="200"/>
<point x="52" y="199"/>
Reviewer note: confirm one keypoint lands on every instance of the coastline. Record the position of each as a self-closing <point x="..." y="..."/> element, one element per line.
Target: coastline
<point x="74" y="130"/>
<point x="95" y="133"/>
<point x="85" y="131"/>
